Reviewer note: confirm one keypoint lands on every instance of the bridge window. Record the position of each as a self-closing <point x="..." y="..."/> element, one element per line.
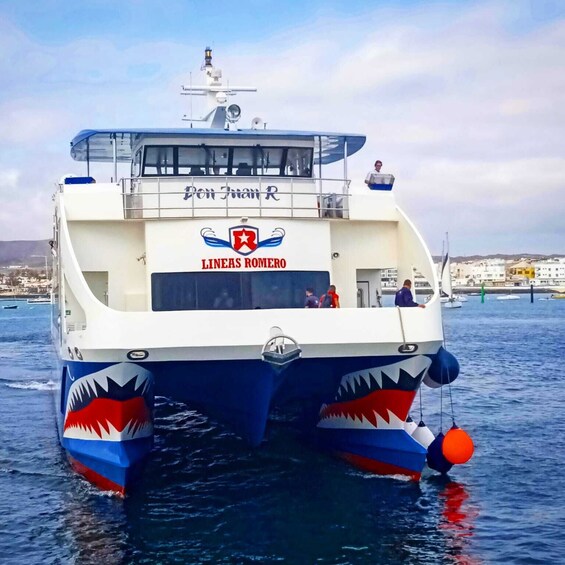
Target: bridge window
<point x="298" y="162"/>
<point x="271" y="160"/>
<point x="219" y="158"/>
<point x="159" y="160"/>
<point x="234" y="290"/>
<point x="186" y="160"/>
<point x="191" y="161"/>
<point x="244" y="161"/>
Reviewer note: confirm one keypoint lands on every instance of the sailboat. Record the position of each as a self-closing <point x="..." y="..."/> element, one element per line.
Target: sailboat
<point x="448" y="299"/>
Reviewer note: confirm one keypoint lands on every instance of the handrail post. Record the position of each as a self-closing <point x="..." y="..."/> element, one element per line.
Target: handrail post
<point x="159" y="197"/>
<point x="124" y="203"/>
<point x="260" y="196"/>
<point x="344" y="162"/>
<point x="193" y="196"/>
<point x="292" y="197"/>
<point x="227" y="197"/>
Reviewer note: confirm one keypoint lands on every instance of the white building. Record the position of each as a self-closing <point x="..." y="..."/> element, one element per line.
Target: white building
<point x="461" y="273"/>
<point x="489" y="271"/>
<point x="550" y="272"/>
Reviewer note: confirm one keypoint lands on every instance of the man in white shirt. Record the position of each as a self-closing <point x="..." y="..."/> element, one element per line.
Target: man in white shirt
<point x="378" y="165"/>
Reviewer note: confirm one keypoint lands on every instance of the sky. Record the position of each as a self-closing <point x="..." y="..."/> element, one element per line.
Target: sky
<point x="462" y="101"/>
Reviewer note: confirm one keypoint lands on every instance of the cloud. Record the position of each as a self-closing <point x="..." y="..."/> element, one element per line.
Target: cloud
<point x="8" y="180"/>
<point x="463" y="103"/>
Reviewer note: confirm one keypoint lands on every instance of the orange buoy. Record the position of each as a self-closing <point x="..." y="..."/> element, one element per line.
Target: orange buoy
<point x="457" y="446"/>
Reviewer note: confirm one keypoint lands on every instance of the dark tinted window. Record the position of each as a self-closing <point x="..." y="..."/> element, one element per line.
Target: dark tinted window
<point x="159" y="160"/>
<point x="235" y="291"/>
<point x="185" y="160"/>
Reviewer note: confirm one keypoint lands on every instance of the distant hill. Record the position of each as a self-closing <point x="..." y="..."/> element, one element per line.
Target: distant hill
<point x="22" y="253"/>
<point x="504" y="256"/>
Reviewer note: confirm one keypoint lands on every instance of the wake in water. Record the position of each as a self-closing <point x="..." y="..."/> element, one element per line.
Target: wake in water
<point x="32" y="385"/>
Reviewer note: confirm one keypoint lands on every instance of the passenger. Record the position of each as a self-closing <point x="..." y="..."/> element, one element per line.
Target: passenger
<point x="330" y="299"/>
<point x="224" y="301"/>
<point x="377" y="170"/>
<point x="196" y="171"/>
<point x="312" y="301"/>
<point x="216" y="170"/>
<point x="404" y="297"/>
<point x="243" y="170"/>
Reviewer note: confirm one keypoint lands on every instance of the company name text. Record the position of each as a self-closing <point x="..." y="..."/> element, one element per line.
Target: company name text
<point x="243" y="262"/>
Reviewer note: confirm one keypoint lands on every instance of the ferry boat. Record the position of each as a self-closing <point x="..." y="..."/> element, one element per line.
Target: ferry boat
<point x="187" y="279"/>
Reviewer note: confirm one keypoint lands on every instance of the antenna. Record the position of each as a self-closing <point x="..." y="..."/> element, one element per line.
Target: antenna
<point x="216" y="93"/>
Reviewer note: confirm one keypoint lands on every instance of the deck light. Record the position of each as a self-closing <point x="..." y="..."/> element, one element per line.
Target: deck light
<point x="233" y="113"/>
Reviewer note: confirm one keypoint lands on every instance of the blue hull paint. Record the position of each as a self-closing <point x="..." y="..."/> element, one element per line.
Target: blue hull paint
<point x="393" y="447"/>
<point x="241" y="394"/>
<point x="120" y="462"/>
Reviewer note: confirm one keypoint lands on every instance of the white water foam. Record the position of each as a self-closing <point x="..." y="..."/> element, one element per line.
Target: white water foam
<point x="33" y="385"/>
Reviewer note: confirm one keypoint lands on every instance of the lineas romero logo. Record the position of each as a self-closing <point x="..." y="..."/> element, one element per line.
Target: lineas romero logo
<point x="244" y="240"/>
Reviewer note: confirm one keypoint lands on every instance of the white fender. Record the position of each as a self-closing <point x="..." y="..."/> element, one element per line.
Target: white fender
<point x="410" y="426"/>
<point x="423" y="435"/>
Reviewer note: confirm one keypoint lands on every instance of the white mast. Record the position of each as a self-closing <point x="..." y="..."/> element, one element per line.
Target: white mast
<point x="446" y="271"/>
<point x="216" y="94"/>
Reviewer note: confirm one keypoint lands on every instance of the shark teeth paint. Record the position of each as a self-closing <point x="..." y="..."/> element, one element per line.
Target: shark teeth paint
<point x="114" y="404"/>
<point x="375" y="398"/>
<point x="404" y="375"/>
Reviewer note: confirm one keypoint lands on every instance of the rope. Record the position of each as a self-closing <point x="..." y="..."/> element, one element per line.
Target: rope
<point x="401" y="325"/>
<point x="421" y="414"/>
<point x="443" y="333"/>
<point x="450" y="398"/>
<point x="448" y="379"/>
<point x="441" y="409"/>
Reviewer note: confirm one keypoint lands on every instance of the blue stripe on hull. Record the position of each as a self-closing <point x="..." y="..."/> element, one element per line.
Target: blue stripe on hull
<point x="118" y="461"/>
<point x="394" y="447"/>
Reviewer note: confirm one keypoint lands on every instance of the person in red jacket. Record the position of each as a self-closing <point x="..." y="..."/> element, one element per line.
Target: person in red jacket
<point x="330" y="299"/>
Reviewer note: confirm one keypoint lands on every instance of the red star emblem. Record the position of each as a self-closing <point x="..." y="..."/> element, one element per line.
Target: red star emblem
<point x="244" y="240"/>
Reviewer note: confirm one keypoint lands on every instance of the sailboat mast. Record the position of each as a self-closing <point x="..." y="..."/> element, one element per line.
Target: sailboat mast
<point x="446" y="270"/>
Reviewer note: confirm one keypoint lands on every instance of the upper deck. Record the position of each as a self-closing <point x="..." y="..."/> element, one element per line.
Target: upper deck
<point x="184" y="173"/>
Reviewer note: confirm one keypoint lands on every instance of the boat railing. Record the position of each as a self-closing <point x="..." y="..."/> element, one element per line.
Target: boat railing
<point x="256" y="196"/>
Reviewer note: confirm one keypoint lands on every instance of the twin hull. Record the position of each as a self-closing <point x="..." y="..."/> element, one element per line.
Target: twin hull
<point x="357" y="397"/>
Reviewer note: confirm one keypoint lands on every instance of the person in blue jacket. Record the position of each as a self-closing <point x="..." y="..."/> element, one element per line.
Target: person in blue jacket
<point x="404" y="297"/>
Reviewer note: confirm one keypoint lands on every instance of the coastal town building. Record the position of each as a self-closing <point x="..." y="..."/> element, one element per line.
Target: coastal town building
<point x="489" y="272"/>
<point x="461" y="273"/>
<point x="550" y="272"/>
<point x="523" y="269"/>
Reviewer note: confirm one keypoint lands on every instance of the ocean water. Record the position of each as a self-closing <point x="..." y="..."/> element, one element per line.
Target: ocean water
<point x="207" y="498"/>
